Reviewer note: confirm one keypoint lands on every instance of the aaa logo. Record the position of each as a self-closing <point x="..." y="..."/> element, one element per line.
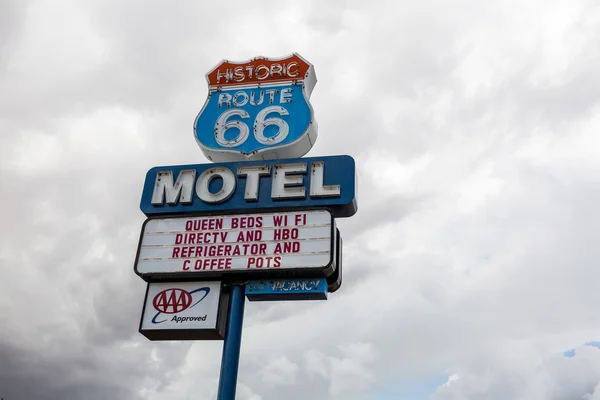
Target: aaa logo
<point x="258" y="109"/>
<point x="175" y="300"/>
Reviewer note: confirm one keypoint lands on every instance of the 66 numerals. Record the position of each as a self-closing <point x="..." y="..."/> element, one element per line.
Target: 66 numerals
<point x="260" y="123"/>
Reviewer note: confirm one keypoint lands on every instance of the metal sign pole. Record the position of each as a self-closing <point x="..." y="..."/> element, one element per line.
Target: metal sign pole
<point x="231" y="346"/>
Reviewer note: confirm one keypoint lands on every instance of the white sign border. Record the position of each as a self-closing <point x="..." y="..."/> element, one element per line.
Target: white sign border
<point x="229" y="275"/>
<point x="217" y="333"/>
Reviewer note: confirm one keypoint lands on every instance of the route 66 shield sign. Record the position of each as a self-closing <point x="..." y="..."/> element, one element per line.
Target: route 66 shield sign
<point x="258" y="110"/>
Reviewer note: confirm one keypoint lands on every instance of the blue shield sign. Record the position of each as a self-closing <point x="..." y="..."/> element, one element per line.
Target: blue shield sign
<point x="258" y="110"/>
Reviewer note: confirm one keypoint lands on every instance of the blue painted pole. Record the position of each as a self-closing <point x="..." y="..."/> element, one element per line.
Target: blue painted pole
<point x="231" y="346"/>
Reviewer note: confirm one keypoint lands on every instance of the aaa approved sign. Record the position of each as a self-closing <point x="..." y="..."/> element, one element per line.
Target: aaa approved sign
<point x="184" y="311"/>
<point x="287" y="244"/>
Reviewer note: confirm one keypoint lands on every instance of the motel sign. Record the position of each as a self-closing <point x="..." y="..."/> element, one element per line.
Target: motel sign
<point x="259" y="222"/>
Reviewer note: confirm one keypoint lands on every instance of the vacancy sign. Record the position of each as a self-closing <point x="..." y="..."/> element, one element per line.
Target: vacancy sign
<point x="252" y="245"/>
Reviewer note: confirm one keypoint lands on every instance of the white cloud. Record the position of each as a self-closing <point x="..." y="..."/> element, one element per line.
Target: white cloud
<point x="279" y="371"/>
<point x="352" y="373"/>
<point x="554" y="378"/>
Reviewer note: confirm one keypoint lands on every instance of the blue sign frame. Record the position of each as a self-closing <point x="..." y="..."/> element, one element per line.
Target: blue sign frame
<point x="338" y="170"/>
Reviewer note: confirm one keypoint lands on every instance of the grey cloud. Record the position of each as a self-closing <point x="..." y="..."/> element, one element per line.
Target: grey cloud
<point x="78" y="291"/>
<point x="11" y="21"/>
<point x="483" y="246"/>
<point x="26" y="375"/>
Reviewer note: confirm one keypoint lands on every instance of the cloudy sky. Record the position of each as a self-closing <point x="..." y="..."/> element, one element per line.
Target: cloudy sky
<point x="470" y="271"/>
